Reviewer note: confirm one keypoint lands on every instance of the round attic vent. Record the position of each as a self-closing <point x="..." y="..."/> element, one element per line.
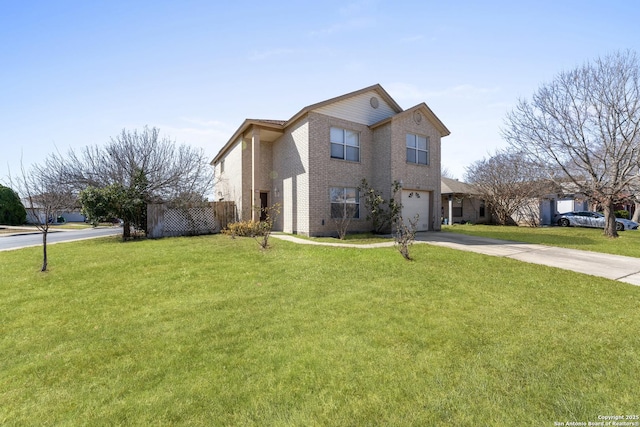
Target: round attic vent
<point x="374" y="102"/>
<point x="417" y="117"/>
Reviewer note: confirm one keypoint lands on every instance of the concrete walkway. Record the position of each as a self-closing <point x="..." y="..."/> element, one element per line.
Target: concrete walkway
<point x="614" y="267"/>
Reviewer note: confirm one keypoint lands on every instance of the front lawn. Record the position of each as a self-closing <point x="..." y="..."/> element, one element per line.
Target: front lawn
<point x="588" y="239"/>
<point x="213" y="331"/>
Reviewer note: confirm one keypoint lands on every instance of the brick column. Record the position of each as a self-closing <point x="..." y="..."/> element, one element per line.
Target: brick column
<point x="256" y="185"/>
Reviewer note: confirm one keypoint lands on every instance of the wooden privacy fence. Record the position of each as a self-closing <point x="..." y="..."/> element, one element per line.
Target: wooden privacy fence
<point x="207" y="218"/>
<point x="225" y="213"/>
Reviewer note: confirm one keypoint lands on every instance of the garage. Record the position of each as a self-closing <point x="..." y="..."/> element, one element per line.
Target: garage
<point x="416" y="202"/>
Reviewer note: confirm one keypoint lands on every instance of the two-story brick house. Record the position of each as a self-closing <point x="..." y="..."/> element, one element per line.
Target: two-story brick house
<point x="318" y="158"/>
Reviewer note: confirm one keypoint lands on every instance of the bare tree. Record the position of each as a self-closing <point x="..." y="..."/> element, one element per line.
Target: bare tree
<point x="265" y="227"/>
<point x="169" y="172"/>
<point x="507" y="183"/>
<point x="405" y="235"/>
<point x="446" y="173"/>
<point x="44" y="200"/>
<point x="342" y="214"/>
<point x="584" y="126"/>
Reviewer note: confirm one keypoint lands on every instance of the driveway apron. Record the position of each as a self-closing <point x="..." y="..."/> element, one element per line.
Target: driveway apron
<point x="615" y="267"/>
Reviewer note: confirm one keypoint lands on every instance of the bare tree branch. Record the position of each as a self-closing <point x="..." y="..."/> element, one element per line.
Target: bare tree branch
<point x="585" y="127"/>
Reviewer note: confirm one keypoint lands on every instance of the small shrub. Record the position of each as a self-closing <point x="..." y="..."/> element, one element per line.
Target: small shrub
<point x="242" y="229"/>
<point x="260" y="230"/>
<point x="381" y="212"/>
<point x="622" y="214"/>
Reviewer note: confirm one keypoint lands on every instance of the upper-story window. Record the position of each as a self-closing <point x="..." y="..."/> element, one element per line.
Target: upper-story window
<point x="417" y="149"/>
<point x="222" y="166"/>
<point x="345" y="144"/>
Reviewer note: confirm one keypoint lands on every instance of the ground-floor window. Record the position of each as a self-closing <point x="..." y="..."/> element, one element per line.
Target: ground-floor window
<point x="456" y="208"/>
<point x="345" y="202"/>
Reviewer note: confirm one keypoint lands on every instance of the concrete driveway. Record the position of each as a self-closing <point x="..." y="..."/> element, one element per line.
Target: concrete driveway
<point x="615" y="267"/>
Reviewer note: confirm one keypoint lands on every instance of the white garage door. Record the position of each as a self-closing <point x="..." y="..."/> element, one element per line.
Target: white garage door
<point x="565" y="206"/>
<point x="416" y="202"/>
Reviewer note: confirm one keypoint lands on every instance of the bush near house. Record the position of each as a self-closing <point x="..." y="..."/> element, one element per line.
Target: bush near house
<point x="242" y="229"/>
<point x="622" y="214"/>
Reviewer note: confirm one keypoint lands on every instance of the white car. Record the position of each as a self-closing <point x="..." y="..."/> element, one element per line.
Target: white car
<point x="592" y="219"/>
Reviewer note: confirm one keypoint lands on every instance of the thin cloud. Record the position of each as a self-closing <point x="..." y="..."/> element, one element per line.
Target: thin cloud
<point x="270" y="53"/>
<point x="201" y="122"/>
<point x="352" y="16"/>
<point x="208" y="134"/>
<point x="352" y="24"/>
<point x="412" y="39"/>
<point x="413" y="93"/>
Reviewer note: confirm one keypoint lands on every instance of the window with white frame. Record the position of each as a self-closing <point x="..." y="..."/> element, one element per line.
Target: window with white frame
<point x="345" y="144"/>
<point x="417" y="149"/>
<point x="345" y="202"/>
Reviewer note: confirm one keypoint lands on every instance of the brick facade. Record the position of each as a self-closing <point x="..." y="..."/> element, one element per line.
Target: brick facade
<point x="297" y="171"/>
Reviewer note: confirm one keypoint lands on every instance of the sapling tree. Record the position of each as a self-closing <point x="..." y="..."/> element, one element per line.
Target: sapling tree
<point x="405" y="235"/>
<point x="45" y="199"/>
<point x="341" y="215"/>
<point x="264" y="228"/>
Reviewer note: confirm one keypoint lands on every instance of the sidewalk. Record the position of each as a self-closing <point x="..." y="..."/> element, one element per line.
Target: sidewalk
<point x="615" y="267"/>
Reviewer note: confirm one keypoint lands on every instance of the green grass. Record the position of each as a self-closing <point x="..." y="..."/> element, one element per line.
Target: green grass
<point x="588" y="239"/>
<point x="214" y="331"/>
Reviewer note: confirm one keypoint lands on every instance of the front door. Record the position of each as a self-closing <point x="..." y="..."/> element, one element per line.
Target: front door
<point x="263" y="206"/>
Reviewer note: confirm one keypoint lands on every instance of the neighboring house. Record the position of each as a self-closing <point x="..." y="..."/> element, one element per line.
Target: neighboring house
<point x="553" y="204"/>
<point x="40" y="217"/>
<point x="461" y="203"/>
<point x="541" y="211"/>
<point x="38" y="214"/>
<point x="318" y="158"/>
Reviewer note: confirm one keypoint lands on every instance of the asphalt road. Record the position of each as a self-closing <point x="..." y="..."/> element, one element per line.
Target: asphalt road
<point x="17" y="241"/>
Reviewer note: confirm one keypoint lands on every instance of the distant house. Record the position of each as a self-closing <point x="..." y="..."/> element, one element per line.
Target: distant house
<point x="38" y="214"/>
<point x="461" y="203"/>
<point x="560" y="198"/>
<point x="312" y="164"/>
<point x="553" y="204"/>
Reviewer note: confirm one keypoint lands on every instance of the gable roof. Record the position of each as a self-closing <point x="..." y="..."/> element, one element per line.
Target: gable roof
<point x="453" y="186"/>
<point x="280" y="125"/>
<point x="424" y="108"/>
<point x="275" y="125"/>
<point x="376" y="88"/>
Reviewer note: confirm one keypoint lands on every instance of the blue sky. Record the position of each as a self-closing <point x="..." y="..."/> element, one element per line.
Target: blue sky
<point x="75" y="73"/>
